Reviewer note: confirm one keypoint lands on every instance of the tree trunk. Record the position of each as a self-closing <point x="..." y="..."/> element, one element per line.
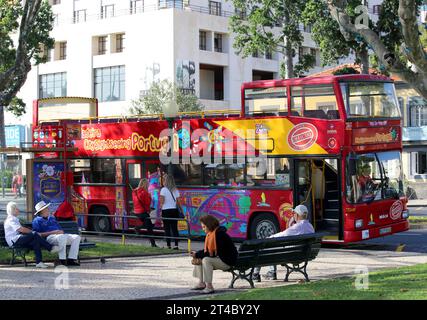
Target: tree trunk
<point x="363" y="57"/>
<point x="2" y="133"/>
<point x="288" y="58"/>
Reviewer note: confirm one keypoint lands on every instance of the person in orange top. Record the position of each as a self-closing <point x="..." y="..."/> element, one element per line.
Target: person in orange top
<point x="219" y="253"/>
<point x="142" y="206"/>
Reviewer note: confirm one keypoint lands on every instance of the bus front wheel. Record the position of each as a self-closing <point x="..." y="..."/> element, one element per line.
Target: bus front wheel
<point x="263" y="226"/>
<point x="101" y="223"/>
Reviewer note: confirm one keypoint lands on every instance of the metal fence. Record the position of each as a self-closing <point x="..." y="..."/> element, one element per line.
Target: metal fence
<point x="125" y="233"/>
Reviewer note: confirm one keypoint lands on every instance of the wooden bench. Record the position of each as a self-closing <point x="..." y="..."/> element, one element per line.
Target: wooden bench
<point x="293" y="252"/>
<point x="69" y="227"/>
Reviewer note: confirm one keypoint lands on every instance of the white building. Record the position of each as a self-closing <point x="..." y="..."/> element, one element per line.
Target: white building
<point x="114" y="49"/>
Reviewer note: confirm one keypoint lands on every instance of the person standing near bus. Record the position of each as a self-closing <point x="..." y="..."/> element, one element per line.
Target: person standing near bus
<point x="141" y="207"/>
<point x="19" y="184"/>
<point x="169" y="202"/>
<point x="15" y="184"/>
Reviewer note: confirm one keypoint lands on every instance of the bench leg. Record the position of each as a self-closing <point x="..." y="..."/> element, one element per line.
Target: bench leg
<point x="242" y="275"/>
<point x="298" y="268"/>
<point x="12" y="260"/>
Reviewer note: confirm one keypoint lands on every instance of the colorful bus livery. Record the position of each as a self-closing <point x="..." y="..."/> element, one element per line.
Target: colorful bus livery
<point x="331" y="143"/>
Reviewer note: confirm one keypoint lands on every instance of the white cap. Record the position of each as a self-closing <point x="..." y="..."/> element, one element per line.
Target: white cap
<point x="301" y="210"/>
<point x="41" y="206"/>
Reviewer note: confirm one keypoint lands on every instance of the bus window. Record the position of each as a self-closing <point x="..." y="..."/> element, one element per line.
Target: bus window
<point x="104" y="171"/>
<point x="374" y="177"/>
<point x="266" y="101"/>
<point x="187" y="174"/>
<point x="134" y="174"/>
<point x="314" y="102"/>
<point x="81" y="170"/>
<point x="268" y="172"/>
<point x="372" y="99"/>
<point x="224" y="175"/>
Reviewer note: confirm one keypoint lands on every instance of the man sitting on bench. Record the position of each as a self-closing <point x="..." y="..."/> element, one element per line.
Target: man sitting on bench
<point x="298" y="225"/>
<point x="48" y="227"/>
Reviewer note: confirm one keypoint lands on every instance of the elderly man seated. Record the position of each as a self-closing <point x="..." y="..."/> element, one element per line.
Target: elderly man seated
<point x="19" y="236"/>
<point x="298" y="225"/>
<point x="49" y="228"/>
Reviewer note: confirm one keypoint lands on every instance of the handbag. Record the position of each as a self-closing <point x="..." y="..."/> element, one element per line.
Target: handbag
<point x="178" y="207"/>
<point x="196" y="261"/>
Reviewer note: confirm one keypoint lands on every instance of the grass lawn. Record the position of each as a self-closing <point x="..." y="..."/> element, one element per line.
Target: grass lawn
<point x="102" y="249"/>
<point x="417" y="219"/>
<point x="408" y="283"/>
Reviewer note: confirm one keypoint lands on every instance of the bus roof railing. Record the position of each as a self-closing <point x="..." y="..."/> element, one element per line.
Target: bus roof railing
<point x="160" y="116"/>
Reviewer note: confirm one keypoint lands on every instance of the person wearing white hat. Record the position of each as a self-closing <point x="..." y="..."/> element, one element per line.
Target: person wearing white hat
<point x="298" y="225"/>
<point x="48" y="227"/>
<point x="19" y="236"/>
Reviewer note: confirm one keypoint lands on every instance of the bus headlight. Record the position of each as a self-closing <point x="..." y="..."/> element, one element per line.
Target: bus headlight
<point x="405" y="214"/>
<point x="358" y="223"/>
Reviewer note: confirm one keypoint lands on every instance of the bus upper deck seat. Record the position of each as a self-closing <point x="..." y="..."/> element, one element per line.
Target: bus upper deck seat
<point x="333" y="114"/>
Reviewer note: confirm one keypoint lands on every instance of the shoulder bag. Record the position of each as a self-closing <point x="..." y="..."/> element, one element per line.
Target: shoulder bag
<point x="178" y="207"/>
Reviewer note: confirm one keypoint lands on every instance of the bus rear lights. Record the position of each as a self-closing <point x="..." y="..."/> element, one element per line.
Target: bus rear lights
<point x="358" y="223"/>
<point x="405" y="214"/>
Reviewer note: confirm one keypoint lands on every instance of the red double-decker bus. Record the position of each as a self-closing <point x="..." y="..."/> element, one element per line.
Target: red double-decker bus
<point x="332" y="143"/>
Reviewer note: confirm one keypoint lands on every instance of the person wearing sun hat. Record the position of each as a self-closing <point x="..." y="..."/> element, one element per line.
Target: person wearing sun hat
<point x="48" y="227"/>
<point x="298" y="225"/>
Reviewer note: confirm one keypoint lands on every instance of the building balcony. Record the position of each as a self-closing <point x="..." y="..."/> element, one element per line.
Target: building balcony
<point x="414" y="134"/>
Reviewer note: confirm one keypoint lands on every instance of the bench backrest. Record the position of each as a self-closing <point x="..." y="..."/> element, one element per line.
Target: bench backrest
<point x="292" y="250"/>
<point x="70" y="227"/>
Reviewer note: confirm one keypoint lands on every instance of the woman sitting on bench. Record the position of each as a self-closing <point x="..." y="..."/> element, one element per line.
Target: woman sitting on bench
<point x="219" y="253"/>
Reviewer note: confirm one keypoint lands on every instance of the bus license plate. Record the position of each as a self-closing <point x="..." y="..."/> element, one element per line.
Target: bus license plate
<point x="385" y="230"/>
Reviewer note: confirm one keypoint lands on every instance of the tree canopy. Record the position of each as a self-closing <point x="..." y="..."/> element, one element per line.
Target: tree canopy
<point x="160" y="94"/>
<point x="261" y="26"/>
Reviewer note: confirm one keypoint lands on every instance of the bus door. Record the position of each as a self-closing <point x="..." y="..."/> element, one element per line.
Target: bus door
<point x="326" y="195"/>
<point x="302" y="185"/>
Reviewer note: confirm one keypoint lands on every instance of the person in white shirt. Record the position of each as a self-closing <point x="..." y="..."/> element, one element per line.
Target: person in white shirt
<point x="19" y="236"/>
<point x="169" y="202"/>
<point x="298" y="225"/>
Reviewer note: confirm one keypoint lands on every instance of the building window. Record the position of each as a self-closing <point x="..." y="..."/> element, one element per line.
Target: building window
<point x="215" y="8"/>
<point x="136" y="6"/>
<point x="268" y="54"/>
<point x="202" y="40"/>
<point x="120" y="42"/>
<point x="417" y="111"/>
<point x="218" y="42"/>
<point x="107" y="11"/>
<point x="300" y="52"/>
<point x="53" y="2"/>
<point x="255" y="54"/>
<point x="102" y="45"/>
<point x="63" y="50"/>
<point x="171" y="4"/>
<point x="53" y="85"/>
<point x="376" y="9"/>
<point x="110" y="83"/>
<point x="241" y="13"/>
<point x="80" y="16"/>
<point x="419" y="162"/>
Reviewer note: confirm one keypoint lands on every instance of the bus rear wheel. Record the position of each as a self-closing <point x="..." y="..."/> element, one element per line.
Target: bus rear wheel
<point x="263" y="226"/>
<point x="101" y="223"/>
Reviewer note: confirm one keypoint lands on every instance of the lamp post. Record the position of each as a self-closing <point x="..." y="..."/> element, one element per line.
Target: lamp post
<point x="170" y="112"/>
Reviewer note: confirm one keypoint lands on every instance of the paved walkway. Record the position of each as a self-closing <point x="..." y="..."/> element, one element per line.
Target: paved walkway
<point x="169" y="277"/>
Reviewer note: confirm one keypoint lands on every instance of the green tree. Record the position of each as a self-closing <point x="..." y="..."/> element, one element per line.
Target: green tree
<point x="271" y="26"/>
<point x="327" y="35"/>
<point x="24" y="34"/>
<point x="160" y="94"/>
<point x="395" y="39"/>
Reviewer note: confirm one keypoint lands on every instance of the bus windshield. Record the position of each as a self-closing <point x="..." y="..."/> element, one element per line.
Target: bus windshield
<point x="370" y="100"/>
<point x="374" y="176"/>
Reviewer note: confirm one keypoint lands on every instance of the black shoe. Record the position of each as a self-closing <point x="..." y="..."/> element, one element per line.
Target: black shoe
<point x="72" y="263"/>
<point x="60" y="263"/>
<point x="256" y="277"/>
<point x="176" y="248"/>
<point x="153" y="245"/>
